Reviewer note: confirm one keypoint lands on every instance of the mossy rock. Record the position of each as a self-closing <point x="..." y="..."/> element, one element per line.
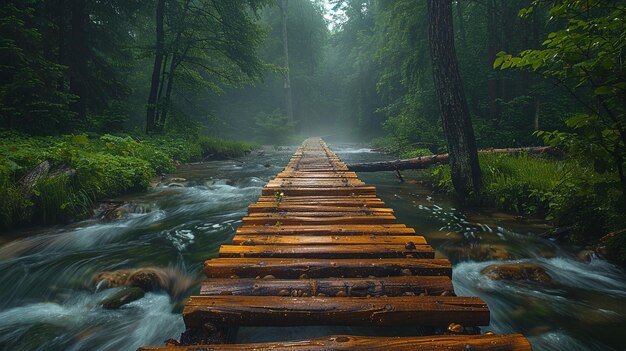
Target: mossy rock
<point x="517" y="272"/>
<point x="122" y="297"/>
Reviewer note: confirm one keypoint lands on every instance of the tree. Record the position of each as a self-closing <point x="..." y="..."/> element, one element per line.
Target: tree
<point x="159" y="53"/>
<point x="208" y="45"/>
<point x="287" y="78"/>
<point x="585" y="58"/>
<point x="457" y="125"/>
<point x="29" y="96"/>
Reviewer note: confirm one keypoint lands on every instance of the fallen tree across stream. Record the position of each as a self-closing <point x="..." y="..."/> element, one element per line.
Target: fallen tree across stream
<point x="425" y="161"/>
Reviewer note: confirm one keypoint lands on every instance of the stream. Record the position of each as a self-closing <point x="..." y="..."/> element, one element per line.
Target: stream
<point x="50" y="301"/>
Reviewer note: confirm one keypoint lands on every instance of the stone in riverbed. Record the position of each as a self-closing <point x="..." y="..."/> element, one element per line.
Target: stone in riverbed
<point x="517" y="272"/>
<point x="122" y="297"/>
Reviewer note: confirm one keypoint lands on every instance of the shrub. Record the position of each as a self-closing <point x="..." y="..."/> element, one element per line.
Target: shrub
<point x="87" y="167"/>
<point x="565" y="191"/>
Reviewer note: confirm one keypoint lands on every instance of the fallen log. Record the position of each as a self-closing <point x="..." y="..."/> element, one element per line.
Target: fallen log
<point x="425" y="161"/>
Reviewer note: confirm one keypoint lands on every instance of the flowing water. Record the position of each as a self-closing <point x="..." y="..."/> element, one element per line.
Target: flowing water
<point x="49" y="299"/>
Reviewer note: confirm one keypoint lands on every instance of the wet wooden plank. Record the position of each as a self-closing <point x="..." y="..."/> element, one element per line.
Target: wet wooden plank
<point x="300" y="191"/>
<point x="293" y="268"/>
<point x="328" y="229"/>
<point x="362" y="211"/>
<point x="376" y="311"/>
<point x="508" y="342"/>
<point x="302" y="174"/>
<point x="311" y="207"/>
<point x="350" y="287"/>
<point x="327" y="240"/>
<point x="320" y="220"/>
<point x="328" y="251"/>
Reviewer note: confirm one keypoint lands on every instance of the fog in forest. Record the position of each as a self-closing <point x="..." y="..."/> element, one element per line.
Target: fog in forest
<point x="136" y="135"/>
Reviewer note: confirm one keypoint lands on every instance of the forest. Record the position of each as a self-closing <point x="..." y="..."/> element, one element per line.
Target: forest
<point x="104" y="104"/>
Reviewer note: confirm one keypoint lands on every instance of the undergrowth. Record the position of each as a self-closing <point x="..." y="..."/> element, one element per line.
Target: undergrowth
<point x="87" y="167"/>
<point x="567" y="192"/>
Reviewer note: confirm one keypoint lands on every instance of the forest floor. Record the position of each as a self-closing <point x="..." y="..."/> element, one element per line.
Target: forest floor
<point x="56" y="179"/>
<point x="584" y="206"/>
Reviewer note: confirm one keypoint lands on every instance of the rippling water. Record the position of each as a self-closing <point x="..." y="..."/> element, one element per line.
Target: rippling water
<point x="48" y="300"/>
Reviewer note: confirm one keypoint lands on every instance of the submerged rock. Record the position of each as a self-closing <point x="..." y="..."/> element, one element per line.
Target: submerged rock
<point x="517" y="272"/>
<point x="147" y="279"/>
<point x="122" y="297"/>
<point x="479" y="253"/>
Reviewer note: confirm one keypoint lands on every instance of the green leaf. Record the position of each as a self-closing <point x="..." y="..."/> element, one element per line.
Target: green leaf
<point x="603" y="90"/>
<point x="498" y="62"/>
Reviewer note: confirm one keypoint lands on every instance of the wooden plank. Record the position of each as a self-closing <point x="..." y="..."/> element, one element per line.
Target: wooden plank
<point x="293" y="268"/>
<point x="365" y="197"/>
<point x="300" y="174"/>
<point x="312" y="207"/>
<point x="354" y="287"/>
<point x="346" y="191"/>
<point x="509" y="342"/>
<point x="357" y="213"/>
<point x="328" y="251"/>
<point x="291" y="220"/>
<point x="327" y="240"/>
<point x="328" y="229"/>
<point x="376" y="311"/>
<point x="354" y="211"/>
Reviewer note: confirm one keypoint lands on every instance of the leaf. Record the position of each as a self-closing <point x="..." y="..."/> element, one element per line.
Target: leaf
<point x="498" y="62"/>
<point x="603" y="90"/>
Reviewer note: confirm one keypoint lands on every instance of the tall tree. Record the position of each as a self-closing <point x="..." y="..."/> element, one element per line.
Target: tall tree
<point x="79" y="57"/>
<point x="155" y="83"/>
<point x="457" y="125"/>
<point x="287" y="77"/>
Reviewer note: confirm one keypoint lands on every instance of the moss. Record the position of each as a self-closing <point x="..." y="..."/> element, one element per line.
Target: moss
<point x="88" y="167"/>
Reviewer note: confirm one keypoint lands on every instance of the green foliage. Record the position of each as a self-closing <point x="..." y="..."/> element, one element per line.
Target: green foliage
<point x="274" y="128"/>
<point x="29" y="98"/>
<point x="586" y="57"/>
<point x="566" y="192"/>
<point x="85" y="168"/>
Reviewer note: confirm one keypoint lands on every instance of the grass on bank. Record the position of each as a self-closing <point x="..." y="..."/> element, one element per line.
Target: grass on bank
<point x="567" y="192"/>
<point x="88" y="167"/>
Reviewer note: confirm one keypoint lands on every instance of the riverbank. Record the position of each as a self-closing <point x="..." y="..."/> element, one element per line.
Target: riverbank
<point x="56" y="179"/>
<point x="584" y="206"/>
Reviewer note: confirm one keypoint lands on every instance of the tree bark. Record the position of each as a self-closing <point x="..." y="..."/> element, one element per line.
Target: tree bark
<point x="287" y="78"/>
<point x="459" y="15"/>
<point x="61" y="41"/>
<point x="426" y="161"/>
<point x="159" y="54"/>
<point x="78" y="60"/>
<point x="457" y="125"/>
<point x="494" y="85"/>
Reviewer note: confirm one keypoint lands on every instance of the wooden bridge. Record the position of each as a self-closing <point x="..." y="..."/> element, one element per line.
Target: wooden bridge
<point x="319" y="248"/>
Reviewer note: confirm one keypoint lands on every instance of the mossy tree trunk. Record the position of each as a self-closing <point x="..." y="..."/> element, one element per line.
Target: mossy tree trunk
<point x="457" y="125"/>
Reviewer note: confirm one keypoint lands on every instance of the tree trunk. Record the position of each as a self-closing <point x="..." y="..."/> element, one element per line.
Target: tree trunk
<point x="287" y="79"/>
<point x="537" y="112"/>
<point x="427" y="161"/>
<point x="78" y="60"/>
<point x="61" y="41"/>
<point x="457" y="125"/>
<point x="459" y="15"/>
<point x="159" y="53"/>
<point x="494" y="85"/>
<point x="168" y="91"/>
